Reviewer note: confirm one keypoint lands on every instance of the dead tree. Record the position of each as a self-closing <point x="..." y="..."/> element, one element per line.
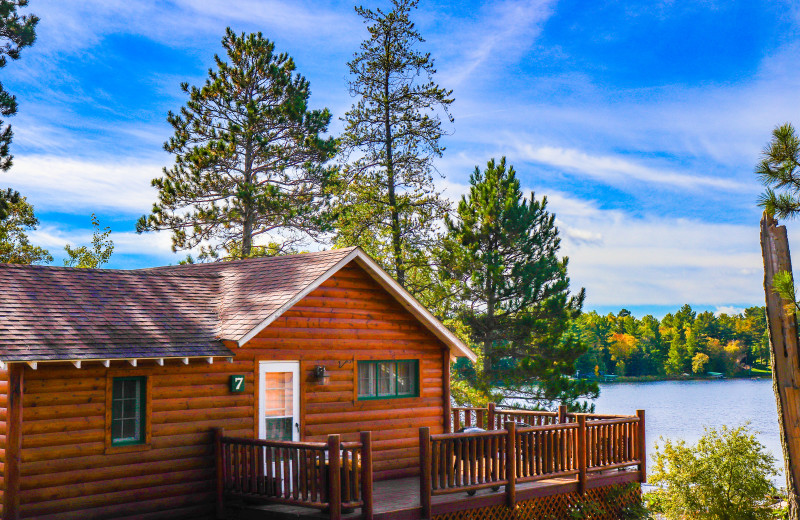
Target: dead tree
<point x="784" y="360"/>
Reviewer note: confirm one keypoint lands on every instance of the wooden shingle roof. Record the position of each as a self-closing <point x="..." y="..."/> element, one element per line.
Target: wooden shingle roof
<point x="253" y="289"/>
<point x="59" y="313"/>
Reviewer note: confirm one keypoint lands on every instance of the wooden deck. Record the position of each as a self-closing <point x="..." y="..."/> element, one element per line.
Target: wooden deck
<point x="400" y="500"/>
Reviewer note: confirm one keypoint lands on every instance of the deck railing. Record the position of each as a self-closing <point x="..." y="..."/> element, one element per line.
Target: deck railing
<point x="579" y="445"/>
<point x="493" y="418"/>
<point x="467" y="462"/>
<point x="324" y="475"/>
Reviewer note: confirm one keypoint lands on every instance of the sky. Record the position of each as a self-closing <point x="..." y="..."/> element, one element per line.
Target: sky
<point x="641" y="121"/>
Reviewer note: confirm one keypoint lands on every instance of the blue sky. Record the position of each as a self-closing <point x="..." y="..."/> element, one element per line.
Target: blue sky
<point x="641" y="121"/>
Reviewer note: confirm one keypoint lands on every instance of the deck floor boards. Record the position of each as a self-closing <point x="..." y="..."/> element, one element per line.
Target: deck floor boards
<point x="399" y="499"/>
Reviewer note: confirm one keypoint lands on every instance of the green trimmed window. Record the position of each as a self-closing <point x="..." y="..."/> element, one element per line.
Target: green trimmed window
<point x="388" y="379"/>
<point x="128" y="411"/>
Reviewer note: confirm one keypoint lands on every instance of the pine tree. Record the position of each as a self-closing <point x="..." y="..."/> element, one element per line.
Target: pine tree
<point x="15" y="246"/>
<point x="386" y="199"/>
<point x="249" y="158"/>
<point x="779" y="169"/>
<point x="503" y="250"/>
<point x="16" y="32"/>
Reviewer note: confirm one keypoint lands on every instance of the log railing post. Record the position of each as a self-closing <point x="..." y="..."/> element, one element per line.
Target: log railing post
<point x="334" y="478"/>
<point x="581" y="417"/>
<point x="425" y="471"/>
<point x="218" y="434"/>
<point x="511" y="464"/>
<point x="642" y="448"/>
<point x="366" y="475"/>
<point x="491" y="417"/>
<point x="562" y="414"/>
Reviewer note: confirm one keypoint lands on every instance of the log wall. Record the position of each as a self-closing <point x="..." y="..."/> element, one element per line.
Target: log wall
<point x="68" y="472"/>
<point x="3" y="415"/>
<point x="348" y="318"/>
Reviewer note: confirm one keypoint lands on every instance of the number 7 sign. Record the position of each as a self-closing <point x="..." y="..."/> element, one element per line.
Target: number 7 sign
<point x="237" y="383"/>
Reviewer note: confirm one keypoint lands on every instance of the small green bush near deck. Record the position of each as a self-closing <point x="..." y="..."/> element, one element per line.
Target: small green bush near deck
<point x="725" y="476"/>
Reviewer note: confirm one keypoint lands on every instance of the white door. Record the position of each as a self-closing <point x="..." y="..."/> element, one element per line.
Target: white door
<point x="279" y="400"/>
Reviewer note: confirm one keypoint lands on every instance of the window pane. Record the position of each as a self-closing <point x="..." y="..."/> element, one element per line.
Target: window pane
<point x="116" y="429"/>
<point x="366" y="379"/>
<point x="386" y="378"/>
<point x="278" y="395"/>
<point x="129" y="389"/>
<point x="405" y="378"/>
<point x="126" y="410"/>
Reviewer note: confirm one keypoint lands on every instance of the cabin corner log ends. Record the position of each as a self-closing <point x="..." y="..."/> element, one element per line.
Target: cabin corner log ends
<point x="784" y="358"/>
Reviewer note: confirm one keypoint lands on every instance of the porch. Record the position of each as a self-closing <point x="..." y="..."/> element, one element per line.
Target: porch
<point x="521" y="457"/>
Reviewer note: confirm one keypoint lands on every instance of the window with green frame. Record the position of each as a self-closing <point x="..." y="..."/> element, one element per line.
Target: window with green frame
<point x="388" y="379"/>
<point x="128" y="411"/>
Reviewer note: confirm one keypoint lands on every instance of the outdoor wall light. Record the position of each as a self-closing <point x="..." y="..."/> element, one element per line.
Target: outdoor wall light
<point x="322" y="375"/>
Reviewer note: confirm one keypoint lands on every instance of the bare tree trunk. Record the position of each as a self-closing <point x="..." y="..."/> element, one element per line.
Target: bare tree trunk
<point x="249" y="213"/>
<point x="785" y="363"/>
<point x="399" y="269"/>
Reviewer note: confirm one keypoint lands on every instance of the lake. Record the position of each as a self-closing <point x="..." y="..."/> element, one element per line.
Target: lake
<point x="680" y="409"/>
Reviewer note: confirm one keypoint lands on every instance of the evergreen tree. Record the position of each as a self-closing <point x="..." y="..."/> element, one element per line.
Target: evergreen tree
<point x="503" y="250"/>
<point x="15" y="246"/>
<point x="92" y="256"/>
<point x="386" y="201"/>
<point x="779" y="170"/>
<point x="249" y="157"/>
<point x="16" y="32"/>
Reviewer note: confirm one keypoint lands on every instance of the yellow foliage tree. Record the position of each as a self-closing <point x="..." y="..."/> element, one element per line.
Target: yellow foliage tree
<point x="699" y="362"/>
<point x="621" y="346"/>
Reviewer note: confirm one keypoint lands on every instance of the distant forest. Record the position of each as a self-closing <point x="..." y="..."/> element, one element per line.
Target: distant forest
<point x="681" y="343"/>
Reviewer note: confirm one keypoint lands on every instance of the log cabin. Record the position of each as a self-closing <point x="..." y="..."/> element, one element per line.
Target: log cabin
<point x="158" y="393"/>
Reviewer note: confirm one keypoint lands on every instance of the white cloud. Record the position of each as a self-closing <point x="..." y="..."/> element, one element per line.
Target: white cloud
<point x="622" y="259"/>
<point x="131" y="250"/>
<point x="70" y="27"/>
<point x="658" y="261"/>
<point x="618" y="171"/>
<point x="730" y="310"/>
<point x="82" y="186"/>
<point x="503" y="32"/>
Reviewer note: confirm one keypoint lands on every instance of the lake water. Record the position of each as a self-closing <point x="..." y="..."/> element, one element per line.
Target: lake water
<point x="680" y="409"/>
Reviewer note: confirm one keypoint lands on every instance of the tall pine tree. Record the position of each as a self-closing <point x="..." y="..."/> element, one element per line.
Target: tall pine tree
<point x="249" y="158"/>
<point x="387" y="203"/>
<point x="16" y="32"/>
<point x="514" y="288"/>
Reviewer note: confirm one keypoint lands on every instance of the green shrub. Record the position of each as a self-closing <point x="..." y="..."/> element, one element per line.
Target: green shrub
<point x="725" y="476"/>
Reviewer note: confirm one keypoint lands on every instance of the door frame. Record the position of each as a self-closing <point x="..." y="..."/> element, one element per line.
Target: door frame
<point x="265" y="366"/>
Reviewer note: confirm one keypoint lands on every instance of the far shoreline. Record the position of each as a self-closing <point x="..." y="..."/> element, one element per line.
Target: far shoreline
<point x="656" y="379"/>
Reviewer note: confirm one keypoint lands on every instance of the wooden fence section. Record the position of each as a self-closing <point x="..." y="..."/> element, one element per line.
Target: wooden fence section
<point x="547" y="452"/>
<point x="324" y="475"/>
<point x="493" y="418"/>
<point x="612" y="443"/>
<point x="578" y="446"/>
<point x="468" y="462"/>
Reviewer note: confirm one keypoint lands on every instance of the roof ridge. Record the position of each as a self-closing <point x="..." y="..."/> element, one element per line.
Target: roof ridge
<point x="126" y="272"/>
<point x="225" y="263"/>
